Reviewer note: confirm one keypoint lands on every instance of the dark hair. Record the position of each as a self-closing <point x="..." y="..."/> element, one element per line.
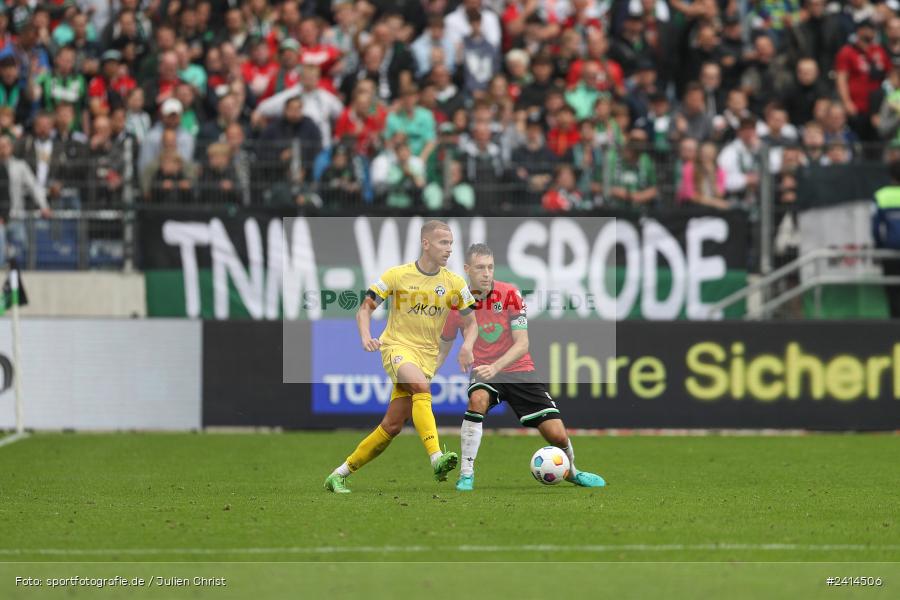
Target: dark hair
<point x="747" y="123"/>
<point x="543" y="58"/>
<point x="557" y="171"/>
<point x="773" y="105"/>
<point x="894" y="170"/>
<point x="693" y="86"/>
<point x="478" y="250"/>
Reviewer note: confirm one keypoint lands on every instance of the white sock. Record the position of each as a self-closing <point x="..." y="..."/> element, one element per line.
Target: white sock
<point x="434" y="456"/>
<point x="343" y="470"/>
<point x="470" y="438"/>
<point x="570" y="452"/>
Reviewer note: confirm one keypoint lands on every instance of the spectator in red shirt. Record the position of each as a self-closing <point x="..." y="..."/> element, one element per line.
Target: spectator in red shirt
<point x="610" y="78"/>
<point x="107" y="90"/>
<point x="313" y="51"/>
<point x="158" y="90"/>
<point x="363" y="120"/>
<point x="861" y="66"/>
<point x="585" y="15"/>
<point x="517" y="16"/>
<point x="564" y="195"/>
<point x="260" y="70"/>
<point x="565" y="133"/>
<point x="216" y="77"/>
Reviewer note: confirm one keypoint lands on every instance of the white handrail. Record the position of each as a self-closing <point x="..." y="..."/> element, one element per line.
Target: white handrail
<point x="800" y="262"/>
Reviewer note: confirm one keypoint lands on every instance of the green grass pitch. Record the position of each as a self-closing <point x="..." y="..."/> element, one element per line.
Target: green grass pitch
<point x="197" y="498"/>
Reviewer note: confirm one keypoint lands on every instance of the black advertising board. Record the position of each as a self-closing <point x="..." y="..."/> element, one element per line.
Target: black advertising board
<point x="803" y="375"/>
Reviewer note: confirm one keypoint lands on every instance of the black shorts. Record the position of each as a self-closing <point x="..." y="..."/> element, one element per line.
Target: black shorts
<point x="527" y="396"/>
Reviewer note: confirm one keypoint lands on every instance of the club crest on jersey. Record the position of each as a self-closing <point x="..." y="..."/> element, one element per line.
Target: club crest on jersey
<point x="397" y="359"/>
<point x="497" y="307"/>
<point x="440" y="290"/>
<point x="521" y="299"/>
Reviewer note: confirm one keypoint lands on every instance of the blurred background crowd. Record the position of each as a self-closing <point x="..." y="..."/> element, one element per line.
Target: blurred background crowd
<point x="438" y="104"/>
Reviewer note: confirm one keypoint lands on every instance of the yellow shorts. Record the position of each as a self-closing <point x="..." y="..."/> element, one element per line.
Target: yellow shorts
<point x="392" y="357"/>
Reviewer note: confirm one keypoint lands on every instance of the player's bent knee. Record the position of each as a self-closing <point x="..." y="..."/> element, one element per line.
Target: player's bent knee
<point x="416" y="387"/>
<point x="554" y="432"/>
<point x="419" y="388"/>
<point x="478" y="401"/>
<point x="392" y="427"/>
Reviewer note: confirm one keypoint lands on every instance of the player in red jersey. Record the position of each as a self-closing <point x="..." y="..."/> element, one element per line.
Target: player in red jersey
<point x="502" y="348"/>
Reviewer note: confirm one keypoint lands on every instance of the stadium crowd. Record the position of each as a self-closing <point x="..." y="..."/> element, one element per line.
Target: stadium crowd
<point x="564" y="104"/>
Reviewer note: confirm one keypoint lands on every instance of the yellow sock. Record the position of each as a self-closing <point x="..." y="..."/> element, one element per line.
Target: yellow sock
<point x="368" y="449"/>
<point x="423" y="419"/>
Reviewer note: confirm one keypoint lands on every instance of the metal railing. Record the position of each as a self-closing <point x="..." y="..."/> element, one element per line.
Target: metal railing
<point x="108" y="195"/>
<point x="260" y="174"/>
<point x="814" y="281"/>
<point x="72" y="240"/>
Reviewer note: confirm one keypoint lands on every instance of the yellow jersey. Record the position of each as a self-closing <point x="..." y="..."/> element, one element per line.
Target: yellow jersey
<point x="420" y="304"/>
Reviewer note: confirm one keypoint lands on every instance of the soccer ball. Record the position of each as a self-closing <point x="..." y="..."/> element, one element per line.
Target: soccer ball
<point x="550" y="465"/>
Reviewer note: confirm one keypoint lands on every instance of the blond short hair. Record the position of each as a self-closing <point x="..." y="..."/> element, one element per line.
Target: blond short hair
<point x="431" y="226"/>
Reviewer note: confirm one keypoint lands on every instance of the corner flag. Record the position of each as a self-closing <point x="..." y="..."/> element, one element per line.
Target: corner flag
<point x="13" y="291"/>
<point x="12" y="297"/>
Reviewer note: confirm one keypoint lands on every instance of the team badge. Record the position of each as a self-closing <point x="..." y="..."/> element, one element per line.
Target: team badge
<point x="440" y="290"/>
<point x="397" y="359"/>
<point x="521" y="300"/>
<point x="498" y="307"/>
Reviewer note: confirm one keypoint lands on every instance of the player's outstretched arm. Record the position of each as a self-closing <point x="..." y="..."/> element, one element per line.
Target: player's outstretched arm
<point x="364" y="322"/>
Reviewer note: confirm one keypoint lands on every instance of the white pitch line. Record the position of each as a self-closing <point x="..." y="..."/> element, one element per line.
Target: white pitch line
<point x="464" y="548"/>
<point x="12" y="439"/>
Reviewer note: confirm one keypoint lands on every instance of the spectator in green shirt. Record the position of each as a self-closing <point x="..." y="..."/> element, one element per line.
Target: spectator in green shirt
<point x="188" y="71"/>
<point x="583" y="96"/>
<point x="186" y="94"/>
<point x="62" y="84"/>
<point x="633" y="174"/>
<point x="415" y="122"/>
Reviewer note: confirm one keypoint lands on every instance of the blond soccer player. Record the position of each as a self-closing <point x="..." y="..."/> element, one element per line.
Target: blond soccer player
<point x="422" y="295"/>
